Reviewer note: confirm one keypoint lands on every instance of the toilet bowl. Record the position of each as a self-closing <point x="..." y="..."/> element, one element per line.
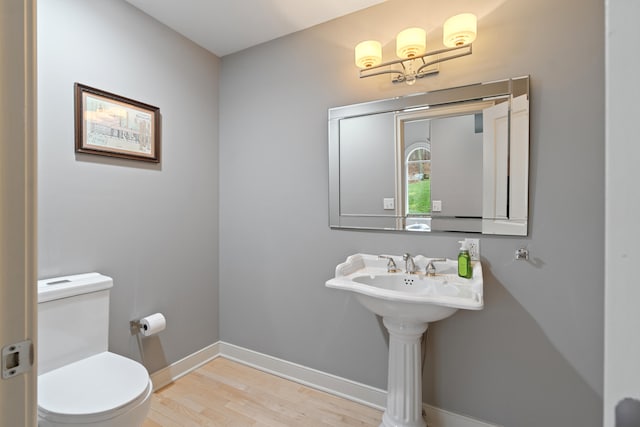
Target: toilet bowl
<point x="80" y="383"/>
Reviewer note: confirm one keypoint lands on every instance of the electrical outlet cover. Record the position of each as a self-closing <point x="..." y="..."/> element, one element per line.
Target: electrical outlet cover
<point x="474" y="248"/>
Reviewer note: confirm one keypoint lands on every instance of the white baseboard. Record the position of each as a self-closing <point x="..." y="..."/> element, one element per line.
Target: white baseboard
<point x="357" y="392"/>
<point x="185" y="365"/>
<point x="437" y="417"/>
<point x="333" y="384"/>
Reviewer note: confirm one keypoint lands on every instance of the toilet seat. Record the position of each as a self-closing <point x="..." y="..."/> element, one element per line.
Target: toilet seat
<point x="94" y="389"/>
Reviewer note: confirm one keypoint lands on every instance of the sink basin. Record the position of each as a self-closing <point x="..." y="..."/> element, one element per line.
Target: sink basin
<point x="413" y="297"/>
<point x="407" y="304"/>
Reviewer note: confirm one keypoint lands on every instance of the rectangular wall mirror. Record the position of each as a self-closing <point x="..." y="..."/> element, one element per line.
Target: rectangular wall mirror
<point x="449" y="160"/>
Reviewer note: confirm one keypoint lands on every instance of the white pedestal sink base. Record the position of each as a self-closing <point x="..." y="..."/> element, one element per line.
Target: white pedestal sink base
<point x="407" y="304"/>
<point x="404" y="394"/>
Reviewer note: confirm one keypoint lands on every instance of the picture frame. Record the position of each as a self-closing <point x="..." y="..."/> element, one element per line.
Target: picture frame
<point x="111" y="125"/>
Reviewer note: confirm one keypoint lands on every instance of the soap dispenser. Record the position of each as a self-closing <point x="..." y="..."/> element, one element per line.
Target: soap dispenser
<point x="464" y="261"/>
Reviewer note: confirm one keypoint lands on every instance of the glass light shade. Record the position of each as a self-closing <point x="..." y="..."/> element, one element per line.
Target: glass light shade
<point x="411" y="42"/>
<point x="460" y="30"/>
<point x="368" y="54"/>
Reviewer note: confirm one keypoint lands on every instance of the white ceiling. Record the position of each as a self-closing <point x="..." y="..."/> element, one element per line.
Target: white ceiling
<point x="228" y="26"/>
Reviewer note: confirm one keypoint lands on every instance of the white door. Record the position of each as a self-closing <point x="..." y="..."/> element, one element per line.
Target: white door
<point x="18" y="296"/>
<point x="495" y="161"/>
<point x="622" y="204"/>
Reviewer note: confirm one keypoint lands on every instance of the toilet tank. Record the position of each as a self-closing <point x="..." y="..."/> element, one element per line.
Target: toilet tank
<point x="73" y="319"/>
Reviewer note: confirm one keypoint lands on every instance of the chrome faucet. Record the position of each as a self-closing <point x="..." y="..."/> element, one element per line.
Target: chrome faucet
<point x="391" y="264"/>
<point x="431" y="268"/>
<point x="409" y="264"/>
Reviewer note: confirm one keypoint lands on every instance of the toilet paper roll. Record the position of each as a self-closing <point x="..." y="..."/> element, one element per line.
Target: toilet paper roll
<point x="152" y="324"/>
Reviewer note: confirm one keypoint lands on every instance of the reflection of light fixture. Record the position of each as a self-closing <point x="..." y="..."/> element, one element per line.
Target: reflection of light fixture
<point x="458" y="33"/>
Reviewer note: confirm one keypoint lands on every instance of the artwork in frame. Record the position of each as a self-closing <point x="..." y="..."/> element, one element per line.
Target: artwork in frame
<point x="112" y="125"/>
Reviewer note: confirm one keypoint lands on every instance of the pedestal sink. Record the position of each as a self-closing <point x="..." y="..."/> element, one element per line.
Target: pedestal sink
<point x="407" y="304"/>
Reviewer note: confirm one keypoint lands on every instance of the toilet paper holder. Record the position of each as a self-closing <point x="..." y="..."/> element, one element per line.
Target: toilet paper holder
<point x="135" y="327"/>
<point x="149" y="325"/>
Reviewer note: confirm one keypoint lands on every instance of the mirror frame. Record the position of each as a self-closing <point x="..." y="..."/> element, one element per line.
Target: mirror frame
<point x="501" y="91"/>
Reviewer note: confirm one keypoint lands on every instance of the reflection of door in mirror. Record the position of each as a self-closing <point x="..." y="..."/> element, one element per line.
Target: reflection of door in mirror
<point x="506" y="160"/>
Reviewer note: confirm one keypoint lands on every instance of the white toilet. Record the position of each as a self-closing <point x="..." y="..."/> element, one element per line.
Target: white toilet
<point x="80" y="383"/>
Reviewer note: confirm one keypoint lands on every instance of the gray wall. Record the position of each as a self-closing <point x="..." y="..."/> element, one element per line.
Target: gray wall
<point x="153" y="228"/>
<point x="533" y="356"/>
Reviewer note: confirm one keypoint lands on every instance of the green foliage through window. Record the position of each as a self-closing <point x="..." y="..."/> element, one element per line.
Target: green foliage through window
<point x="418" y="183"/>
<point x="419" y="196"/>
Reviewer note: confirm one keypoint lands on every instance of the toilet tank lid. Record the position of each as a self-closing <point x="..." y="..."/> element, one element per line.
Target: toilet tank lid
<point x="67" y="286"/>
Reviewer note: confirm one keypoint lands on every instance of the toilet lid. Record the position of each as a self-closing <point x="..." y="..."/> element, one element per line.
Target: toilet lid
<point x="96" y="385"/>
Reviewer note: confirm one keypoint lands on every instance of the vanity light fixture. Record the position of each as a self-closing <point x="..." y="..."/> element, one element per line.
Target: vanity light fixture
<point x="368" y="54"/>
<point x="415" y="62"/>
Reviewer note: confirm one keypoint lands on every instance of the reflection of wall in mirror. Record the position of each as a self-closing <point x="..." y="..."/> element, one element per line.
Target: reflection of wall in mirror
<point x="456" y="171"/>
<point x="367" y="164"/>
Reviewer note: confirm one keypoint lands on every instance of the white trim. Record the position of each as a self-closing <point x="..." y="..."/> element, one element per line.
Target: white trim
<point x="338" y="386"/>
<point x="621" y="291"/>
<point x="18" y="198"/>
<point x="185" y="365"/>
<point x="329" y="383"/>
<point x="437" y="417"/>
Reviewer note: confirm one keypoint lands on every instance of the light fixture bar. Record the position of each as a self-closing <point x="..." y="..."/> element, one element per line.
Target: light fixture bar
<point x="404" y="73"/>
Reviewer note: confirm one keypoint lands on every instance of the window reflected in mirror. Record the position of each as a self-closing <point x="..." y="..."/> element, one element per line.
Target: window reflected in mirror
<point x="417" y="178"/>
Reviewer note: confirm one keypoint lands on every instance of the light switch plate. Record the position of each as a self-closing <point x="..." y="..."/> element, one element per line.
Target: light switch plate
<point x="436" y="206"/>
<point x="389" y="203"/>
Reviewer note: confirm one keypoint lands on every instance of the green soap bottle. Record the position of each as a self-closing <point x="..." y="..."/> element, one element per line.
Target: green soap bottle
<point x="464" y="261"/>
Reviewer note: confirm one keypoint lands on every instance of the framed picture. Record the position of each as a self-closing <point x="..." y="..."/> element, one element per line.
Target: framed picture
<point x="115" y="126"/>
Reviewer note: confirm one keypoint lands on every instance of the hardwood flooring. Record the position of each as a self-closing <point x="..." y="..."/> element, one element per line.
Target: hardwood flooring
<point x="226" y="393"/>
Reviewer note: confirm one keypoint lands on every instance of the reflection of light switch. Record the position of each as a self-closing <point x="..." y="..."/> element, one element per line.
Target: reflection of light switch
<point x="388" y="203"/>
<point x="436" y="206"/>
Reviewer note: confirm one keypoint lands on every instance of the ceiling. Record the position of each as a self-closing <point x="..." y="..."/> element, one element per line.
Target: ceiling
<point x="228" y="26"/>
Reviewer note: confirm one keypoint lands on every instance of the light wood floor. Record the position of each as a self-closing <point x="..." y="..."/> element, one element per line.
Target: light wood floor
<point x="226" y="393"/>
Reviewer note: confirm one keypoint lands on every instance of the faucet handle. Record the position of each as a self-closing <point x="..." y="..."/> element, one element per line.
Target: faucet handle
<point x="391" y="264"/>
<point x="430" y="270"/>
